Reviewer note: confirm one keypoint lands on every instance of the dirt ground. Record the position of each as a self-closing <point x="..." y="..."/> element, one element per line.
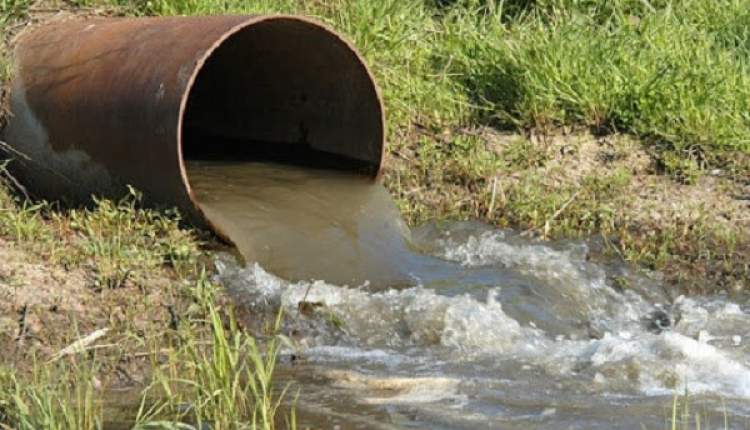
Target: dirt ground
<point x="576" y="184"/>
<point x="46" y="311"/>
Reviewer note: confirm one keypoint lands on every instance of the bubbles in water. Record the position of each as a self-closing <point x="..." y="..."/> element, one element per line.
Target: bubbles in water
<point x="509" y="330"/>
<point x="625" y="353"/>
<point x="392" y="318"/>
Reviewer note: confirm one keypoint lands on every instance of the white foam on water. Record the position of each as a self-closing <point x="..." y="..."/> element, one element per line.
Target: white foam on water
<point x="344" y="353"/>
<point x="563" y="275"/>
<point x="413" y="316"/>
<point x="472" y="326"/>
<point x="390" y="327"/>
<point x="656" y="364"/>
<point x="715" y="320"/>
<point x="492" y="248"/>
<point x="704" y="368"/>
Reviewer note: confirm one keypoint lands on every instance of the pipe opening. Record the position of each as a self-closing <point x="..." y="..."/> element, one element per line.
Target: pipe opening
<point x="287" y="90"/>
<point x="282" y="134"/>
<point x="218" y="126"/>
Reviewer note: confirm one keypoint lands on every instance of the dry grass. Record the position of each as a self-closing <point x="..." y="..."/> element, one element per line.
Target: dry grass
<point x="577" y="184"/>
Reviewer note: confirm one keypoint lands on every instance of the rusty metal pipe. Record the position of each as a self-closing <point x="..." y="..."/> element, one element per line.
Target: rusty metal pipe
<point x="99" y="104"/>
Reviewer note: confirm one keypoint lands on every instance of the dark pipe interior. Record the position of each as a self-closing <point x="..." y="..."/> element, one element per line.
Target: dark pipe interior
<point x="285" y="90"/>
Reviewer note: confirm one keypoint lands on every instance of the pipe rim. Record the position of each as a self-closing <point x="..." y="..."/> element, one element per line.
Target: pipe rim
<point x="200" y="63"/>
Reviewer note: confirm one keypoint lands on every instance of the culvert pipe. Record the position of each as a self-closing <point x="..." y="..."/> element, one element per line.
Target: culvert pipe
<point x="99" y="104"/>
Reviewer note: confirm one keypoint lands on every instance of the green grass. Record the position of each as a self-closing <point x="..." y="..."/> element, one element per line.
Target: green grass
<point x="119" y="241"/>
<point x="396" y="37"/>
<point x="667" y="76"/>
<point x="228" y="386"/>
<point x="672" y="72"/>
<point x="8" y="14"/>
<point x="122" y="240"/>
<point x="54" y="397"/>
<point x="212" y="373"/>
<point x="13" y="10"/>
<point x="683" y="416"/>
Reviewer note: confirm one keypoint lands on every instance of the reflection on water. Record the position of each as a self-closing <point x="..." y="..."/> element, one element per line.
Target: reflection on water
<point x="482" y="329"/>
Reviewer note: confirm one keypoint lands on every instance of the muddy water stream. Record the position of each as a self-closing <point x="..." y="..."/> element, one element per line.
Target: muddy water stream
<point x="460" y="325"/>
<point x="300" y="222"/>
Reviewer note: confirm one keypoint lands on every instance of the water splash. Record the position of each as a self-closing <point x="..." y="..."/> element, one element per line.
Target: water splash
<point x="483" y="332"/>
<point x="480" y="328"/>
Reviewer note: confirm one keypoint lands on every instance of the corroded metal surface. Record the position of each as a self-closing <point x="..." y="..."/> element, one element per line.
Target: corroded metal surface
<point x="103" y="103"/>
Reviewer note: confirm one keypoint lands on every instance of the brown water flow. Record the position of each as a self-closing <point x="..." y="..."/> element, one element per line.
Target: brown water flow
<point x="500" y="331"/>
<point x="305" y="223"/>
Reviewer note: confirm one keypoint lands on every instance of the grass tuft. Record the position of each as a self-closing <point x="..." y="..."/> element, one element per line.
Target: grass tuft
<point x="212" y="375"/>
<point x="658" y="74"/>
<point x="120" y="241"/>
<point x="683" y="417"/>
<point x="61" y="396"/>
<point x="220" y="377"/>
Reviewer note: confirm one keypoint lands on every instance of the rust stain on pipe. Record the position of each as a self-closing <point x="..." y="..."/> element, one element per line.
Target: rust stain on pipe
<point x="102" y="103"/>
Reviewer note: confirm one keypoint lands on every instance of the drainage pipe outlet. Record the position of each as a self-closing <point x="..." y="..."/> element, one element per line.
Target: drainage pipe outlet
<point x="100" y="104"/>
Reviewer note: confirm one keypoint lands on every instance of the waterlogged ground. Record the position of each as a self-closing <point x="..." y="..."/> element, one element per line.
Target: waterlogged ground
<point x="485" y="328"/>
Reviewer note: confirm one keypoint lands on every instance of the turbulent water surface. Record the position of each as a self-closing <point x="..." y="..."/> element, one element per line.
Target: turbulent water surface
<point x="481" y="328"/>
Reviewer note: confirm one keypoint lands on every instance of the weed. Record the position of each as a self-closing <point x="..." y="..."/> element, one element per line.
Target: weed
<point x="523" y="154"/>
<point x="656" y="72"/>
<point x="11" y="10"/>
<point x="59" y="397"/>
<point x="684" y="169"/>
<point x="228" y="385"/>
<point x="214" y="374"/>
<point x="120" y="239"/>
<point x="683" y="417"/>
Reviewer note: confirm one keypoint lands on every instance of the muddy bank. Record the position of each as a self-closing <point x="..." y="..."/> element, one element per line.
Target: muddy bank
<point x="46" y="308"/>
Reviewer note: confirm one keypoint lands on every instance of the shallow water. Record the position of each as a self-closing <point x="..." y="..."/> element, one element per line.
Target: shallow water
<point x="485" y="328"/>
